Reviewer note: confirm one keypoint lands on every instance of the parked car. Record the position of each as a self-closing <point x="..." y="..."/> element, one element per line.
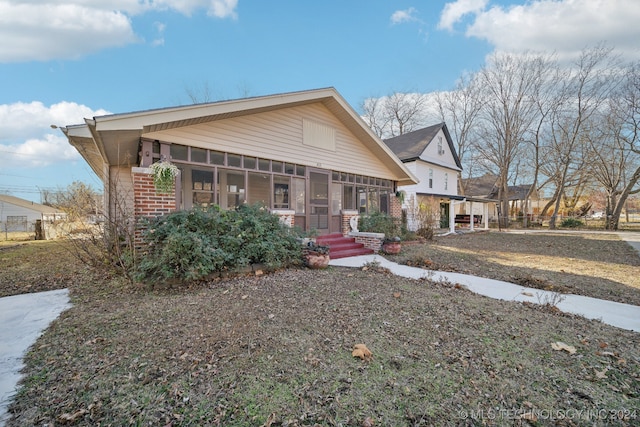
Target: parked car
<point x="597" y="215"/>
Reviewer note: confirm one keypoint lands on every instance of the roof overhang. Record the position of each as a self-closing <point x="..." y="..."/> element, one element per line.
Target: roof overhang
<point x="113" y="139"/>
<point x="459" y="198"/>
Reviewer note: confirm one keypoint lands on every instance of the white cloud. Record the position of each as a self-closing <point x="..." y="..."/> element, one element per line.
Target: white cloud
<point x="159" y="40"/>
<point x="400" y="16"/>
<point x="563" y="26"/>
<point x="223" y="8"/>
<point x="453" y="12"/>
<point x="26" y="136"/>
<point x="60" y="29"/>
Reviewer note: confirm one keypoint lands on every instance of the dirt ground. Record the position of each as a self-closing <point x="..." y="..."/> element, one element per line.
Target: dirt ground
<point x="276" y="350"/>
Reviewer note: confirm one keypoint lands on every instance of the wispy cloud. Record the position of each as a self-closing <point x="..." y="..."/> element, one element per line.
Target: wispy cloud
<point x="67" y="29"/>
<point x="407" y="15"/>
<point x="159" y="40"/>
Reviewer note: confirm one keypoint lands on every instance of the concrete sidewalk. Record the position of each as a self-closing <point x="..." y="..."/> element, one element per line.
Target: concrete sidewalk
<point x="23" y="318"/>
<point x="623" y="316"/>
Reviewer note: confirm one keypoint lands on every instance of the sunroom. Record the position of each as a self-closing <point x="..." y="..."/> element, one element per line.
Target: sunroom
<point x="306" y="156"/>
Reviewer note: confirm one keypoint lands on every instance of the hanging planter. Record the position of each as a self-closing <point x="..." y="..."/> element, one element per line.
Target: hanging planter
<point x="164" y="175"/>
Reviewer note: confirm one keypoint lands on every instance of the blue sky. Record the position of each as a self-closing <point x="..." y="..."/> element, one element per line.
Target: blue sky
<point x="63" y="60"/>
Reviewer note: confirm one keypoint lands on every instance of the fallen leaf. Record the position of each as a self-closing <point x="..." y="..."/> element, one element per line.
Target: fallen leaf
<point x="529" y="416"/>
<point x="72" y="417"/>
<point x="270" y="420"/>
<point x="603" y="345"/>
<point x="244" y="296"/>
<point x="368" y="422"/>
<point x="396" y="294"/>
<point x="361" y="351"/>
<point x="601" y="374"/>
<point x="527" y="294"/>
<point x="559" y="345"/>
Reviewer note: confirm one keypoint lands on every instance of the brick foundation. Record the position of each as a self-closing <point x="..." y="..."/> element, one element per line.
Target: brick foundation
<point x="287" y="217"/>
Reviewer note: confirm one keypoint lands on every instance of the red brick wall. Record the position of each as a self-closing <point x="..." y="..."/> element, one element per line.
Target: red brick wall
<point x="147" y="203"/>
<point x="369" y="240"/>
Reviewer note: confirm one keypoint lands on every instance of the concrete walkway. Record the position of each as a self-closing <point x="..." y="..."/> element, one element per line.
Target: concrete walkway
<point x="23" y="318"/>
<point x="625" y="316"/>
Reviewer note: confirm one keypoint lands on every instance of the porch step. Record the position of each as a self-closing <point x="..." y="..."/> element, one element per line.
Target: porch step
<point x="342" y="247"/>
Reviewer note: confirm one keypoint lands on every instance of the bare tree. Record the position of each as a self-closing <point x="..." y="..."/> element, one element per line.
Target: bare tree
<point x="583" y="92"/>
<point x="374" y="115"/>
<point x="460" y="108"/>
<point x="616" y="147"/>
<point x="510" y="84"/>
<point x="395" y="114"/>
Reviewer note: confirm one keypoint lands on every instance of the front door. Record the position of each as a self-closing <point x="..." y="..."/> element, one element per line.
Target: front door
<point x="318" y="191"/>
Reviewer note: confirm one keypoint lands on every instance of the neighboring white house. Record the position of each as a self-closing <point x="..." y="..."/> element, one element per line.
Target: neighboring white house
<point x="430" y="154"/>
<point x="18" y="214"/>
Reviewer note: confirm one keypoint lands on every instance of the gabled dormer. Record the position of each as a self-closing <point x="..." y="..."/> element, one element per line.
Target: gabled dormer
<point x="432" y="144"/>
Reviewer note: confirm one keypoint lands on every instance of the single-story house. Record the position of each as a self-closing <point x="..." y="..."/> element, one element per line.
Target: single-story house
<point x="307" y="156"/>
<point x="429" y="153"/>
<point x="18" y="214"/>
<point x="485" y="187"/>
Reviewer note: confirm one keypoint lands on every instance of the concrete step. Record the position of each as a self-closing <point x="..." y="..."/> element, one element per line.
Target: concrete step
<point x="350" y="253"/>
<point x="342" y="247"/>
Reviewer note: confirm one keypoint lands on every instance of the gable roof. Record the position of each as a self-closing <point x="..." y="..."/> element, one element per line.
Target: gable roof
<point x="28" y="204"/>
<point x="113" y="139"/>
<point x="411" y="145"/>
<point x="485" y="187"/>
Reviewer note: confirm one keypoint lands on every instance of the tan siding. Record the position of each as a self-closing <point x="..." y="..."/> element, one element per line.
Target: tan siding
<point x="278" y="135"/>
<point x="121" y="192"/>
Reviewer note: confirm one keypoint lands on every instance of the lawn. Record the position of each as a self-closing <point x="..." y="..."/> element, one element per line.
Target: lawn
<point x="275" y="350"/>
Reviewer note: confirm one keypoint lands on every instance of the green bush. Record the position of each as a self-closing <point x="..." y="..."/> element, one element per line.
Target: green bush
<point x="571" y="223"/>
<point x="379" y="222"/>
<point x="189" y="245"/>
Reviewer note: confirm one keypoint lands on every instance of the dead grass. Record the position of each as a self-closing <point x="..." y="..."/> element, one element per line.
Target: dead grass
<point x="598" y="265"/>
<point x="275" y="350"/>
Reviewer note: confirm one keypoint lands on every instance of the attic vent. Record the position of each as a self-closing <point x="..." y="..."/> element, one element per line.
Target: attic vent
<point x="318" y="135"/>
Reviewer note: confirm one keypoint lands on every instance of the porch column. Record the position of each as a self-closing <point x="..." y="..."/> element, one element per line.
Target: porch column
<point x="471" y="216"/>
<point x="452" y="216"/>
<point x="485" y="214"/>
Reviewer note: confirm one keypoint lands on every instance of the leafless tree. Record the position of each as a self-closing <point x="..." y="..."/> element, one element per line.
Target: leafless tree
<point x="583" y="92"/>
<point x="616" y="146"/>
<point x="510" y="84"/>
<point x="395" y="114"/>
<point x="373" y="114"/>
<point x="459" y="109"/>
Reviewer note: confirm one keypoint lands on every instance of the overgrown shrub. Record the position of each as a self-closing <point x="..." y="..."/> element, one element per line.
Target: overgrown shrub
<point x="379" y="222"/>
<point x="571" y="223"/>
<point x="189" y="245"/>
